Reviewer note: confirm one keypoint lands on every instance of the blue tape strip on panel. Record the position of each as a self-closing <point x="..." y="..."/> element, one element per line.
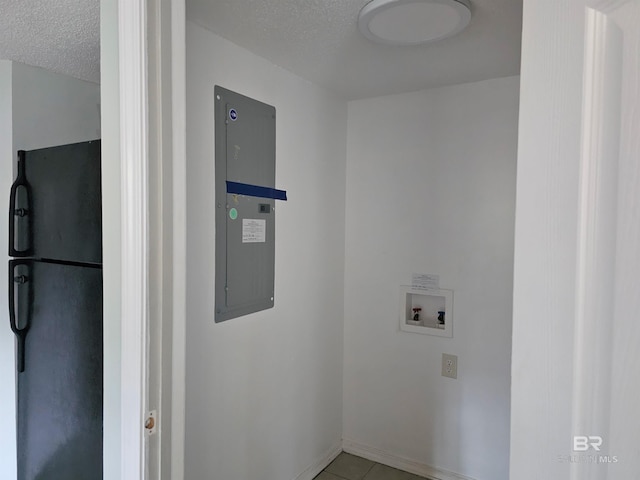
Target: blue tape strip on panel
<point x="255" y="191"/>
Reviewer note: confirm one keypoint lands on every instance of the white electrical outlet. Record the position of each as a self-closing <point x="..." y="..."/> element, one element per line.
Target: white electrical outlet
<point x="449" y="365"/>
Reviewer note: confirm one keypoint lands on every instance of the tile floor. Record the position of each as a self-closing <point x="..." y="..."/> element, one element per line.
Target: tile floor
<point x="350" y="467"/>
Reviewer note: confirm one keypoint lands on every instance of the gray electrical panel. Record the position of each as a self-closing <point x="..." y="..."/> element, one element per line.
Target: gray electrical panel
<point x="245" y="170"/>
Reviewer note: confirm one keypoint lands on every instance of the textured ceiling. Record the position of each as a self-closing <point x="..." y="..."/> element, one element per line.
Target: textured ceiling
<point x="59" y="35"/>
<point x="316" y="39"/>
<point x="319" y="40"/>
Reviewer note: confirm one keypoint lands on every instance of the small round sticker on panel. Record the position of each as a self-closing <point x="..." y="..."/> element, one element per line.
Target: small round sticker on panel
<point x="233" y="214"/>
<point x="233" y="115"/>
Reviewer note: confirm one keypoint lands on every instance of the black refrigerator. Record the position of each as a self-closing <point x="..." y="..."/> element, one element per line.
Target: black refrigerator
<point x="55" y="311"/>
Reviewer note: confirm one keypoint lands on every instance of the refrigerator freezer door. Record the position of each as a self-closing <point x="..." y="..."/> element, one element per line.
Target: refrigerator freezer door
<point x="64" y="215"/>
<point x="60" y="389"/>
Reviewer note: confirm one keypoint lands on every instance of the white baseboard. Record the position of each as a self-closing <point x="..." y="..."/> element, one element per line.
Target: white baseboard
<point x="311" y="472"/>
<point x="401" y="463"/>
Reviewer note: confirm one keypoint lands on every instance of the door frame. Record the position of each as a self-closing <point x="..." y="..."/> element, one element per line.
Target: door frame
<point x="134" y="291"/>
<point x="562" y="351"/>
<point x="179" y="243"/>
<point x="134" y="91"/>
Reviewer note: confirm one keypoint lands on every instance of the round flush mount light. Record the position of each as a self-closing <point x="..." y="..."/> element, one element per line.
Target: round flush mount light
<point x="413" y="22"/>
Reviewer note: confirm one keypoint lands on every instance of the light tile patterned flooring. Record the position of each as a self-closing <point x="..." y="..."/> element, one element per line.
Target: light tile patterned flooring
<point x="350" y="467"/>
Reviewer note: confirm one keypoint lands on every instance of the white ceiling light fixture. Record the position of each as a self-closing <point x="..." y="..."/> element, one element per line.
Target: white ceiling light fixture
<point x="413" y="22"/>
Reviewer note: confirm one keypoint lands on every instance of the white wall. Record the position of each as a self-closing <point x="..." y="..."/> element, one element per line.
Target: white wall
<point x="545" y="260"/>
<point x="264" y="391"/>
<point x="7" y="342"/>
<point x="37" y="109"/>
<point x="431" y="189"/>
<point x="52" y="109"/>
<point x="111" y="235"/>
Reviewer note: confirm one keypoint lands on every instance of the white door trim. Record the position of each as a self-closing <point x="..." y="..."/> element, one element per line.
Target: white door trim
<point x="575" y="330"/>
<point x="596" y="247"/>
<point x="179" y="171"/>
<point x="132" y="29"/>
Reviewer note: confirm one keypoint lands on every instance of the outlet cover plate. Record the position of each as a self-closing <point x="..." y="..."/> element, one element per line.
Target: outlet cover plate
<point x="449" y="365"/>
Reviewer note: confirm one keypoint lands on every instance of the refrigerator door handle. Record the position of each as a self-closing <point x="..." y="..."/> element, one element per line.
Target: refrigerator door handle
<point x="19" y="213"/>
<point x="20" y="331"/>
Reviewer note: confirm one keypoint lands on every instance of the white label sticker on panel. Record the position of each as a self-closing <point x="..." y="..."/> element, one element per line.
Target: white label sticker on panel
<point x="254" y="230"/>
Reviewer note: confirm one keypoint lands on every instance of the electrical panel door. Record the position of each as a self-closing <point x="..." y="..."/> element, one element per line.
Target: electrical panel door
<point x="245" y="170"/>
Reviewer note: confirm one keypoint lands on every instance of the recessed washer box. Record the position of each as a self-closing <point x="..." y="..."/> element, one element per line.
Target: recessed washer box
<point x="434" y="309"/>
